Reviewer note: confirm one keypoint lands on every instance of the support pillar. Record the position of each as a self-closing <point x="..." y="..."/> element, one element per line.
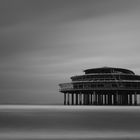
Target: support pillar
<point x="109" y="99"/>
<point x="130" y="99"/>
<point x="115" y="99"/>
<point x="118" y="99"/>
<point x="122" y="99"/>
<point x="135" y="98"/>
<point x="96" y="99"/>
<point x="87" y="99"/>
<point x="91" y="98"/>
<point x="72" y="98"/>
<point x="84" y="99"/>
<point x="126" y="99"/>
<point x="105" y="99"/>
<point x="64" y="98"/>
<point x="68" y="99"/>
<point x="112" y="99"/>
<point x="101" y="99"/>
<point x="80" y="98"/>
<point x="76" y="98"/>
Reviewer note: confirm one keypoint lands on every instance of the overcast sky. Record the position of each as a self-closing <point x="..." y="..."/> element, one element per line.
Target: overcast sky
<point x="45" y="42"/>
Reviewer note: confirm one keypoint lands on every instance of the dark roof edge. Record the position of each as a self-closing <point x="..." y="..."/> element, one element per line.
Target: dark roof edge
<point x="105" y="68"/>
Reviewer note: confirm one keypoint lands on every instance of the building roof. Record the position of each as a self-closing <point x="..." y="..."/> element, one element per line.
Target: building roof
<point x="108" y="70"/>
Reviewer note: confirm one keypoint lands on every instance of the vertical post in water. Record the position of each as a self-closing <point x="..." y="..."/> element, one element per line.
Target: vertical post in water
<point x="80" y="98"/>
<point x="68" y="99"/>
<point x="72" y="98"/>
<point x="135" y="98"/>
<point x="76" y="98"/>
<point x="64" y="98"/>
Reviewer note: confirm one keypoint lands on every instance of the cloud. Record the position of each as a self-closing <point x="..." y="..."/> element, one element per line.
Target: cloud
<point x="46" y="42"/>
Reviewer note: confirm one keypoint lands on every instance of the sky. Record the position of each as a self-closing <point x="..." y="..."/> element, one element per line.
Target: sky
<point x="45" y="42"/>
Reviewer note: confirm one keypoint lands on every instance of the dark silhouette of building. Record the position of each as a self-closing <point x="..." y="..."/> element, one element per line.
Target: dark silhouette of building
<point x="102" y="86"/>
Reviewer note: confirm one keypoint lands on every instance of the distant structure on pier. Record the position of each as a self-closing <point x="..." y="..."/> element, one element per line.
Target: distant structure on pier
<point x="102" y="86"/>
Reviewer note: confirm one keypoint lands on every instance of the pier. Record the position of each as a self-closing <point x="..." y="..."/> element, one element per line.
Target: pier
<point x="102" y="86"/>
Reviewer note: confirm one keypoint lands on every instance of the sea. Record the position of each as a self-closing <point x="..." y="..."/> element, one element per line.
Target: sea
<point x="58" y="122"/>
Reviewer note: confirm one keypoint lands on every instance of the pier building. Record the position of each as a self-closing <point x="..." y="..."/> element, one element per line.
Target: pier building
<point x="102" y="86"/>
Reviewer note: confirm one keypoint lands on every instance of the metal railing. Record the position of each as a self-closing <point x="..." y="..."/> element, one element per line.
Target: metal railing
<point x="100" y="86"/>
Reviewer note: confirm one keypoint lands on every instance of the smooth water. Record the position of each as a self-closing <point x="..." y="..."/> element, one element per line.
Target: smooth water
<point x="69" y="123"/>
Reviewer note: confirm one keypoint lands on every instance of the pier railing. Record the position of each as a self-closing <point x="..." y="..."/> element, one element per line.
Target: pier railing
<point x="123" y="85"/>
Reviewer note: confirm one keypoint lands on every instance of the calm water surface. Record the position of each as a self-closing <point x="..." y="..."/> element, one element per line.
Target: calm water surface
<point x="69" y="123"/>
